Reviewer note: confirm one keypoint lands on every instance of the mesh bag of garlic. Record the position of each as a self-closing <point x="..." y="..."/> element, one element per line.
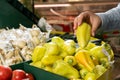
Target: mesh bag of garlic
<point x="16" y="45"/>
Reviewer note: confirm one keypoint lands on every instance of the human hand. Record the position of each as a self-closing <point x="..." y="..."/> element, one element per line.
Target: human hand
<point x="89" y="17"/>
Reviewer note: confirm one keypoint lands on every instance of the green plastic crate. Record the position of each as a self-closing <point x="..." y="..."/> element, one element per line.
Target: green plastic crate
<point x="39" y="74"/>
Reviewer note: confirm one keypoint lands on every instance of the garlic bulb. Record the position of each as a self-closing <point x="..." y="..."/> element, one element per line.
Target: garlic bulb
<point x="19" y="43"/>
<point x="35" y="41"/>
<point x="35" y="32"/>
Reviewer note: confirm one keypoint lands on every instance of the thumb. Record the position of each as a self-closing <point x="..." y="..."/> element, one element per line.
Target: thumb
<point x="94" y="28"/>
<point x="93" y="32"/>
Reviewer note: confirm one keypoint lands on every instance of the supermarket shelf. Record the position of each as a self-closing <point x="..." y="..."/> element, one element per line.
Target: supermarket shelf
<point x="74" y="9"/>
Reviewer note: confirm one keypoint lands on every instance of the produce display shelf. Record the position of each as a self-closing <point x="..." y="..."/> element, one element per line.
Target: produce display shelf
<point x="39" y="74"/>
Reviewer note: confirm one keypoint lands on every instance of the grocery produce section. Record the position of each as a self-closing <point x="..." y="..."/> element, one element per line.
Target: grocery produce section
<point x="82" y="62"/>
<point x="82" y="58"/>
<point x="37" y="53"/>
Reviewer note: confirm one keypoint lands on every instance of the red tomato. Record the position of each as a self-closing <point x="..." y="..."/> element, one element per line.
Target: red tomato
<point x="18" y="74"/>
<point x="5" y="72"/>
<point x="29" y="76"/>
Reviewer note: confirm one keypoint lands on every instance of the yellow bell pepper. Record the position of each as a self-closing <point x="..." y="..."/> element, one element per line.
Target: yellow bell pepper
<point x="105" y="62"/>
<point x="63" y="53"/>
<point x="109" y="50"/>
<point x="90" y="46"/>
<point x="95" y="60"/>
<point x="83" y="72"/>
<point x="58" y="40"/>
<point x="38" y="53"/>
<point x="37" y="64"/>
<point x="69" y="46"/>
<point x="49" y="60"/>
<point x="51" y="48"/>
<point x="83" y="34"/>
<point x="90" y="76"/>
<point x="62" y="68"/>
<point x="48" y="68"/>
<point x="99" y="70"/>
<point x="99" y="52"/>
<point x="84" y="58"/>
<point x="70" y="60"/>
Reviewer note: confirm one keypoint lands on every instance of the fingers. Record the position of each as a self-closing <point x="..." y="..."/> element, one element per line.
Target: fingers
<point x="90" y="18"/>
<point x="93" y="31"/>
<point x="77" y="21"/>
<point x="95" y="24"/>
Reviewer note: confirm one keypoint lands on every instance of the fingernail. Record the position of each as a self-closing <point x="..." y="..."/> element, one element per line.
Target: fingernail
<point x="93" y="34"/>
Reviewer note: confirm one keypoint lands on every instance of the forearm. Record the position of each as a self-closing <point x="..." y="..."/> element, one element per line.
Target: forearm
<point x="110" y="19"/>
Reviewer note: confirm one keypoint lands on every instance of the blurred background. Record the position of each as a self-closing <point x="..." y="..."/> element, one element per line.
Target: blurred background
<point x="60" y="15"/>
<point x="67" y="9"/>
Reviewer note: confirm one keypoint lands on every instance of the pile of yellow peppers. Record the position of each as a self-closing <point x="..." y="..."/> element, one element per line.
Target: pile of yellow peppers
<point x="87" y="61"/>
